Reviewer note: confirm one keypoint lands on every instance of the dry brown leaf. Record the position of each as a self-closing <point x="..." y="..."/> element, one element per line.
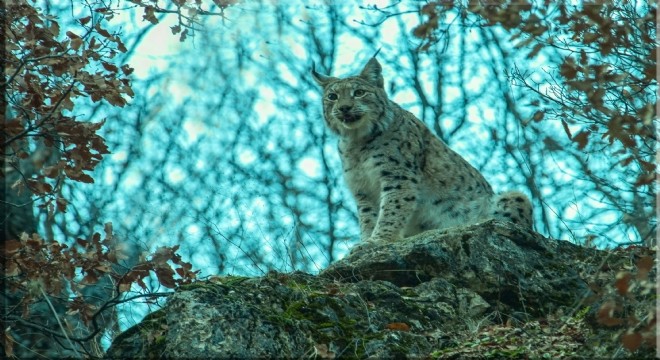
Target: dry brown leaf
<point x="398" y="326"/>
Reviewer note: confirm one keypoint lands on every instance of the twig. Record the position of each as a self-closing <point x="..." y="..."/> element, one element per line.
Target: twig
<point x="52" y="308"/>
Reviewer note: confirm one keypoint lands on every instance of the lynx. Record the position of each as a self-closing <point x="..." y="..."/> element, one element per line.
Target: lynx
<point x="404" y="179"/>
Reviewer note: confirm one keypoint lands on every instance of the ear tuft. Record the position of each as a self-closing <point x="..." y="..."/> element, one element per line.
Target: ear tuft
<point x="373" y="73"/>
<point x="322" y="80"/>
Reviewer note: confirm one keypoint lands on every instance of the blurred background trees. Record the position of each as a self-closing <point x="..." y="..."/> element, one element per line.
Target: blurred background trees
<point x="216" y="144"/>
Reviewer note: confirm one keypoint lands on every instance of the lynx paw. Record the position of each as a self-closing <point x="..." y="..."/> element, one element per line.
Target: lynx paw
<point x="371" y="242"/>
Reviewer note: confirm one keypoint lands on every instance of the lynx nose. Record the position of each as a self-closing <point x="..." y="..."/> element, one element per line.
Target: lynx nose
<point x="345" y="108"/>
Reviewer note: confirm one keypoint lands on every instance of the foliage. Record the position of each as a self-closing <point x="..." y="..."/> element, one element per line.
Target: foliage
<point x="45" y="143"/>
<point x="600" y="86"/>
<point x="37" y="270"/>
<point x="52" y="66"/>
<point x="627" y="297"/>
<point x="45" y="72"/>
<point x="188" y="13"/>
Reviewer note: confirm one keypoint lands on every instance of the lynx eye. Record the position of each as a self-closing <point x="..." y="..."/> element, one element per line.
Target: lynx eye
<point x="332" y="96"/>
<point x="359" y="93"/>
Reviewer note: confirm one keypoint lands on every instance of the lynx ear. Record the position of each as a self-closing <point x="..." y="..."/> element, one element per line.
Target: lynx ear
<point x="322" y="80"/>
<point x="373" y="73"/>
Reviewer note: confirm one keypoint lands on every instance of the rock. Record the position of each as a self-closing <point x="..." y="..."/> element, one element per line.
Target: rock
<point x="512" y="269"/>
<point x="432" y="295"/>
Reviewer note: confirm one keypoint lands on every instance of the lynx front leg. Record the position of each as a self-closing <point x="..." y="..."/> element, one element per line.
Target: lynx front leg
<point x="397" y="205"/>
<point x="367" y="215"/>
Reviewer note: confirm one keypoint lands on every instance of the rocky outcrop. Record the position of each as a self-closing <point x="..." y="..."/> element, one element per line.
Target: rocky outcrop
<point x="438" y="294"/>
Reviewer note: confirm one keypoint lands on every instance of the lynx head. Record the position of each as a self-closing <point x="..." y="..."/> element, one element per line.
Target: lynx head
<point x="356" y="104"/>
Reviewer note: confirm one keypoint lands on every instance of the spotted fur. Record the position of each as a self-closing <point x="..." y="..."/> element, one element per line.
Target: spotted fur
<point x="404" y="179"/>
